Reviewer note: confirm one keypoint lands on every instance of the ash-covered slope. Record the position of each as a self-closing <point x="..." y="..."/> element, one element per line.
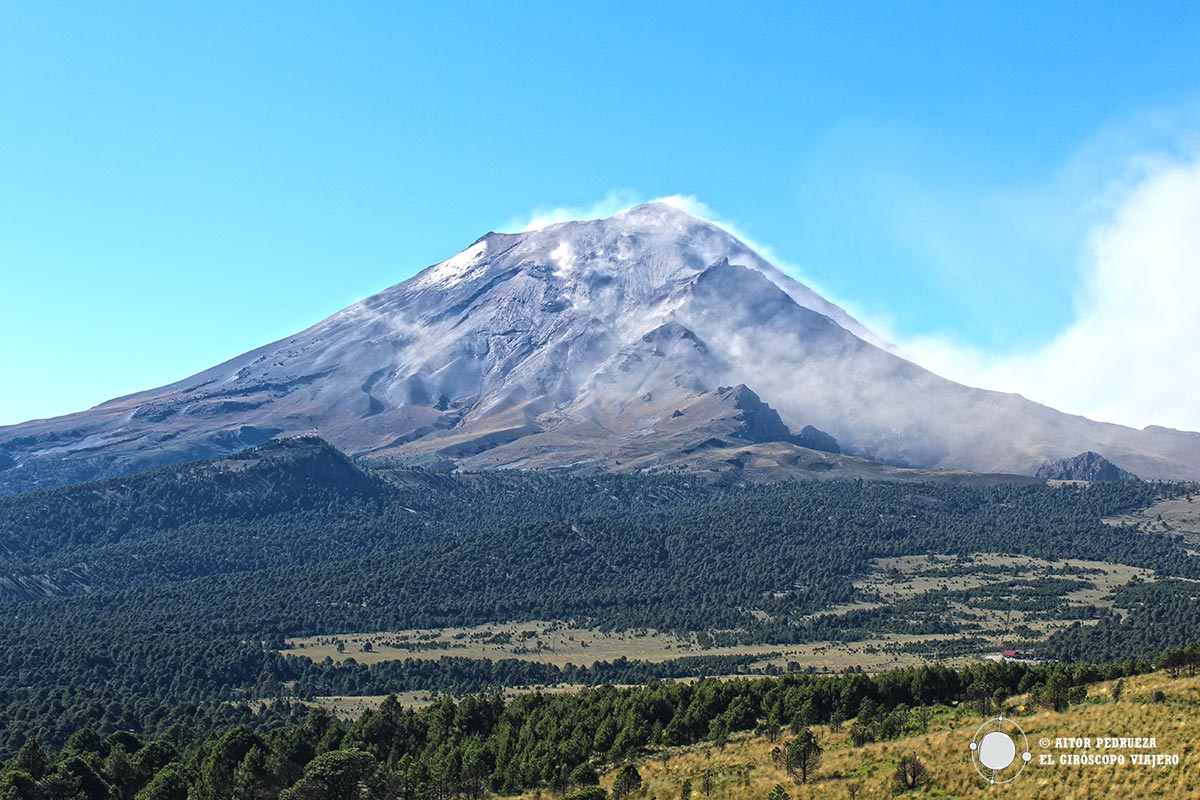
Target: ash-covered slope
<point x="576" y="343"/>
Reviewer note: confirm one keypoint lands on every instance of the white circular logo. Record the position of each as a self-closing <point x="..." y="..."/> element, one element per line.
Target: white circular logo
<point x="997" y="750"/>
<point x="994" y="750"/>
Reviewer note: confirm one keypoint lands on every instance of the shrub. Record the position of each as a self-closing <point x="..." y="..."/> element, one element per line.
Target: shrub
<point x="587" y="793"/>
<point x="911" y="773"/>
<point x="777" y="793"/>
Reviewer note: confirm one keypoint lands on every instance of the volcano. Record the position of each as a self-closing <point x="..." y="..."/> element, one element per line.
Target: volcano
<point x="636" y="341"/>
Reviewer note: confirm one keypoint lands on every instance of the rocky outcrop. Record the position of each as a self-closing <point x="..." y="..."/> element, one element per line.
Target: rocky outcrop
<point x="758" y="422"/>
<point x="1087" y="466"/>
<point x="815" y="439"/>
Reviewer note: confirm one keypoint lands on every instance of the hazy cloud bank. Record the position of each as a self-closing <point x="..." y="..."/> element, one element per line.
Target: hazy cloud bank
<point x="1131" y="353"/>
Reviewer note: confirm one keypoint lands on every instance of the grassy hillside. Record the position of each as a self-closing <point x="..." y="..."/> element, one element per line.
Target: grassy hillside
<point x="554" y="742"/>
<point x="743" y="767"/>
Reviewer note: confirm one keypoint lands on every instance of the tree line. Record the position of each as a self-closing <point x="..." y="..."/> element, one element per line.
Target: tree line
<point x="485" y="744"/>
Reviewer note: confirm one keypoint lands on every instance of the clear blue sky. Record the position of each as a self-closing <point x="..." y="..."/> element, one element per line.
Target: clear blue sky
<point x="181" y="182"/>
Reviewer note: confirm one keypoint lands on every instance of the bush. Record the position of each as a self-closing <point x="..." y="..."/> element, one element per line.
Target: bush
<point x="588" y="793"/>
<point x="778" y="793"/>
<point x="911" y="773"/>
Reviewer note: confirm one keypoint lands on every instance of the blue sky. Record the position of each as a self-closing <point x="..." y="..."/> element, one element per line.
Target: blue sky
<point x="183" y="182"/>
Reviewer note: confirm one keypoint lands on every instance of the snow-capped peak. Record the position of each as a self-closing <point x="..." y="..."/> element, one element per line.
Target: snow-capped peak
<point x="648" y="249"/>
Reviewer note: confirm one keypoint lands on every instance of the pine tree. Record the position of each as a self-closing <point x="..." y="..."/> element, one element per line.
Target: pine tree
<point x="628" y="781"/>
<point x="32" y="759"/>
<point x="169" y="784"/>
<point x="338" y="775"/>
<point x="251" y="779"/>
<point x="803" y="756"/>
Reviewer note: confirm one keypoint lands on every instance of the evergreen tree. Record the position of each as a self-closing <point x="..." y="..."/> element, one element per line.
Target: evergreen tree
<point x="17" y="784"/>
<point x="171" y="783"/>
<point x="32" y="760"/>
<point x="119" y="773"/>
<point x="628" y="781"/>
<point x="1059" y="692"/>
<point x="337" y="775"/>
<point x="585" y="775"/>
<point x="803" y="756"/>
<point x="251" y="779"/>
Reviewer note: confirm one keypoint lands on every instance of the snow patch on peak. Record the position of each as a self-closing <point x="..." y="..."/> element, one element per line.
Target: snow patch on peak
<point x="455" y="268"/>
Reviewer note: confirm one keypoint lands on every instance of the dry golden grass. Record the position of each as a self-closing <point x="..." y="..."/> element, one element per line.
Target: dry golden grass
<point x="1175" y="516"/>
<point x="559" y="644"/>
<point x="906" y="577"/>
<point x="743" y="768"/>
<point x="543" y="642"/>
<point x="894" y="579"/>
<point x="351" y="707"/>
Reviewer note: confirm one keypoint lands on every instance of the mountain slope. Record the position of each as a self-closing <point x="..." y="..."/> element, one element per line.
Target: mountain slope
<point x="569" y="344"/>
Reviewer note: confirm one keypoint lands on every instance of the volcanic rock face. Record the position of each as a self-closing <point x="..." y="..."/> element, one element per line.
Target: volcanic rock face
<point x="1084" y="467"/>
<point x="814" y="439"/>
<point x="757" y="421"/>
<point x="572" y="344"/>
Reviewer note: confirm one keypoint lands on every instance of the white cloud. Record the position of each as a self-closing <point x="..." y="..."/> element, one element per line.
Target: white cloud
<point x="1132" y="352"/>
<point x="617" y="200"/>
<point x="613" y="202"/>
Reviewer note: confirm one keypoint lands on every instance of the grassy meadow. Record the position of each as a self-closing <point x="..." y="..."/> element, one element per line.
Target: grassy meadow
<point x="743" y="767"/>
